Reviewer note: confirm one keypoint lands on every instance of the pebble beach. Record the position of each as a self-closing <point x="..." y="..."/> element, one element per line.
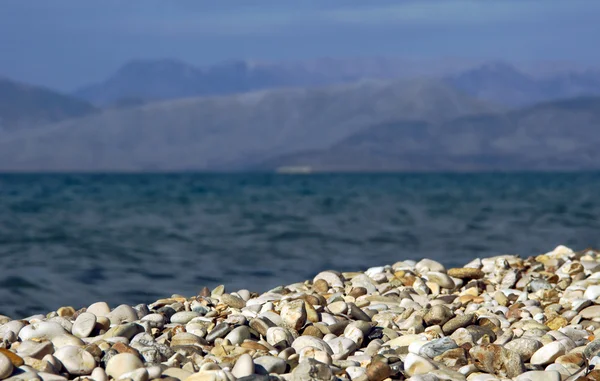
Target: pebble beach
<point x="496" y="318"/>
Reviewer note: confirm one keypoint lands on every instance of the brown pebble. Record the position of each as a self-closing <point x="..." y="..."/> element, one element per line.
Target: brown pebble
<point x="378" y="371"/>
<point x="311" y="330"/>
<point x="594" y="375"/>
<point x="205" y="292"/>
<point x="466" y="273"/>
<point x="15" y="359"/>
<point x="358" y="291"/>
<point x="321" y="286"/>
<point x="124" y="348"/>
<point x="65" y="311"/>
<point x="233" y="301"/>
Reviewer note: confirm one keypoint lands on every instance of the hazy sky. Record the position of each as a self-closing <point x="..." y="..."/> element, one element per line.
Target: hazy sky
<point x="68" y="43"/>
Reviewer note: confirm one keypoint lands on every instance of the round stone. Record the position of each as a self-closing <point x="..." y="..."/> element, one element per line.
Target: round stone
<point x="311" y="341"/>
<point x="84" y="324"/>
<point x="6" y="366"/>
<point x="122" y="314"/>
<point x="441" y="279"/>
<point x="270" y="364"/>
<point x="122" y="363"/>
<point x="548" y="353"/>
<point x="524" y="347"/>
<point x="414" y="365"/>
<point x="184" y="317"/>
<point x="99" y="309"/>
<point x="238" y="335"/>
<point x="244" y="366"/>
<point x="76" y="360"/>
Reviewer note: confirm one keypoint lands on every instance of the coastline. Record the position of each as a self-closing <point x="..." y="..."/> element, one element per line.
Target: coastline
<point x="501" y="317"/>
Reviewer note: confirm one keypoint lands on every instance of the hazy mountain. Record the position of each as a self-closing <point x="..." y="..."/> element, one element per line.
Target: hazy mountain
<point x="25" y="105"/>
<point x="171" y="79"/>
<point x="502" y="83"/>
<point x="556" y="135"/>
<point x="229" y="132"/>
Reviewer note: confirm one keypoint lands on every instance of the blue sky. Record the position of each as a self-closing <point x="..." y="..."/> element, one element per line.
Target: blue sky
<point x="68" y="43"/>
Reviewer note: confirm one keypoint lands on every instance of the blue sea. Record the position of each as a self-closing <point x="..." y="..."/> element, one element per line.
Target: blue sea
<point x="70" y="239"/>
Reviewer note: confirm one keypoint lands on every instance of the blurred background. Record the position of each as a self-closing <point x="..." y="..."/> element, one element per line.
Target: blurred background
<point x="150" y="148"/>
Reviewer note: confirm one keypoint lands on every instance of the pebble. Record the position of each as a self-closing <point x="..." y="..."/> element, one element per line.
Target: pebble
<point x="498" y="318"/>
<point x="244" y="366"/>
<point x="548" y="353"/>
<point x="269" y="364"/>
<point x="238" y="335"/>
<point x="437" y="347"/>
<point x="6" y="366"/>
<point x="414" y="364"/>
<point x="76" y="360"/>
<point x="122" y="363"/>
<point x="466" y="273"/>
<point x="524" y="347"/>
<point x="84" y="324"/>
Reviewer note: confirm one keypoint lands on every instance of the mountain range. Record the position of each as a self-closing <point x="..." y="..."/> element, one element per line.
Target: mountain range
<point x="229" y="132"/>
<point x="165" y="115"/>
<point x="558" y="135"/>
<point x="494" y="81"/>
<point x="23" y="105"/>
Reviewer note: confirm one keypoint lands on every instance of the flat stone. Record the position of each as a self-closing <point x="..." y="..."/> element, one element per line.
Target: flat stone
<point x="185" y="338"/>
<point x="177" y="373"/>
<point x="269" y="364"/>
<point x="84" y="324"/>
<point x="76" y="360"/>
<point x="41" y="331"/>
<point x="184" y="317"/>
<point x="122" y="363"/>
<point x="35" y="349"/>
<point x="539" y="375"/>
<point x="590" y="312"/>
<point x="466" y="273"/>
<point x="459" y="321"/>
